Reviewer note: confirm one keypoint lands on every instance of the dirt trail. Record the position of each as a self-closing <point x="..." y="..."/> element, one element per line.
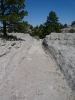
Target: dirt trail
<point x="28" y="73"/>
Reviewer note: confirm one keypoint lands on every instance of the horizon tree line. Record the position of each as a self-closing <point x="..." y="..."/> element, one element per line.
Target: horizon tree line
<point x="12" y="13"/>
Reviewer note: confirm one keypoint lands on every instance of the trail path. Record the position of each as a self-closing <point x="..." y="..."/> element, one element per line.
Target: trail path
<point x="28" y="73"/>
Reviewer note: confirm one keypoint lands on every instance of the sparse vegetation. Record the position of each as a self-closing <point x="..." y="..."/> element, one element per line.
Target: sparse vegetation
<point x="65" y="26"/>
<point x="73" y="23"/>
<point x="13" y="12"/>
<point x="51" y="25"/>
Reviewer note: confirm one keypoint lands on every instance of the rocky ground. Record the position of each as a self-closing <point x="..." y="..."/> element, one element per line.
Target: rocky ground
<point x="62" y="48"/>
<point x="28" y="72"/>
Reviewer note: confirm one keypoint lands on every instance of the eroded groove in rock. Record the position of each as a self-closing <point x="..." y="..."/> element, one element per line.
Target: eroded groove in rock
<point x="62" y="48"/>
<point x="28" y="73"/>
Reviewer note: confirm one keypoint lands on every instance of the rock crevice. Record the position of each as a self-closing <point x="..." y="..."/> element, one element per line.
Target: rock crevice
<point x="62" y="48"/>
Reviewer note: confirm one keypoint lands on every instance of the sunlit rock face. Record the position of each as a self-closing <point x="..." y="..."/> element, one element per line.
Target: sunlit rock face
<point x="27" y="72"/>
<point x="62" y="48"/>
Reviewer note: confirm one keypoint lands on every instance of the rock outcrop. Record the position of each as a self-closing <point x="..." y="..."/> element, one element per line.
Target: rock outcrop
<point x="28" y="73"/>
<point x="62" y="48"/>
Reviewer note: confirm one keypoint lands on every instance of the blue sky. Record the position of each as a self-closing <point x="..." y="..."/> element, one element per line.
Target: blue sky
<point x="38" y="10"/>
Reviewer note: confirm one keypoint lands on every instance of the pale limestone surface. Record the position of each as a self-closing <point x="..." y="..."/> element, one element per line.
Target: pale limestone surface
<point x="27" y="72"/>
<point x="62" y="48"/>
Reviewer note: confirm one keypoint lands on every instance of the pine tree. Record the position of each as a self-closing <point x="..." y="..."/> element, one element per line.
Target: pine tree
<point x="73" y="23"/>
<point x="11" y="12"/>
<point x="52" y="24"/>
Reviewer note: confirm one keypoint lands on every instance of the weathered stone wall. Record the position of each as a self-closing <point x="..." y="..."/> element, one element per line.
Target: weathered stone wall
<point x="62" y="48"/>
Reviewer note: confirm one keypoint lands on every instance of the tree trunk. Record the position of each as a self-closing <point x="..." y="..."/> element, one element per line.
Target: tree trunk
<point x="4" y="28"/>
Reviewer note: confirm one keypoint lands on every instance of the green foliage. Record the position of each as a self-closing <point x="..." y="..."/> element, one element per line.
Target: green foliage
<point x="21" y="27"/>
<point x="12" y="12"/>
<point x="51" y="25"/>
<point x="73" y="23"/>
<point x="35" y="31"/>
<point x="38" y="31"/>
<point x="52" y="18"/>
<point x="65" y="26"/>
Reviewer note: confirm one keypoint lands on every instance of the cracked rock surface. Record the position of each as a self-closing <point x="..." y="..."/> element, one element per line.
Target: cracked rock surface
<point x="62" y="48"/>
<point x="27" y="72"/>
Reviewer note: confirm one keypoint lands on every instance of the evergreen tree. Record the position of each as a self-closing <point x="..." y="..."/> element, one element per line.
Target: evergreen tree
<point x="35" y="31"/>
<point x="73" y="23"/>
<point x="21" y="27"/>
<point x="11" y="12"/>
<point x="65" y="26"/>
<point x="52" y="24"/>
